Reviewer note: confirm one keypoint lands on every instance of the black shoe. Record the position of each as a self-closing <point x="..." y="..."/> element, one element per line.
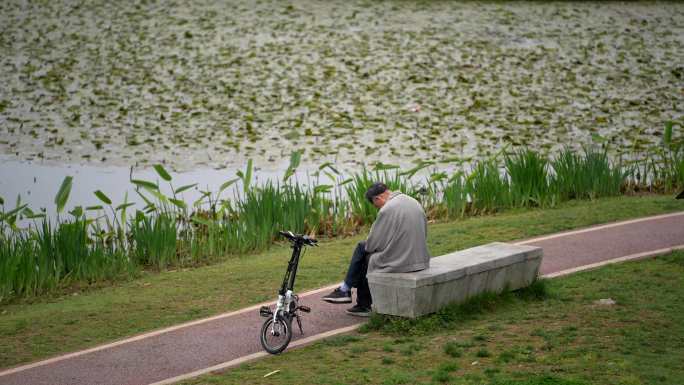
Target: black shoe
<point x="359" y="311"/>
<point x="338" y="296"/>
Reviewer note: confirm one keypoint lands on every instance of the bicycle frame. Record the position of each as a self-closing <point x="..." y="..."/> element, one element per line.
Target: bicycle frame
<point x="279" y="321"/>
<point x="285" y="294"/>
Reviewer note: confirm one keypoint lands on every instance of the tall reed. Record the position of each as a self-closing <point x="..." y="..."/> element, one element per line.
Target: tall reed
<point x="37" y="261"/>
<point x="672" y="154"/>
<point x="567" y="181"/>
<point x="169" y="231"/>
<point x="455" y="197"/>
<point x="529" y="183"/>
<point x="489" y="190"/>
<point x="154" y="240"/>
<point x="586" y="177"/>
<point x="20" y="271"/>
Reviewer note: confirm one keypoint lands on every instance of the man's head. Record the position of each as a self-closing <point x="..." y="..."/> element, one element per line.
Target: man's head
<point x="378" y="194"/>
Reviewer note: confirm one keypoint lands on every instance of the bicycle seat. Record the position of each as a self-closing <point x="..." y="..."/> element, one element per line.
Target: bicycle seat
<point x="298" y="238"/>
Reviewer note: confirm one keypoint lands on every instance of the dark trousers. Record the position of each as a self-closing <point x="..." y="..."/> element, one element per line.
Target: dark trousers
<point x="356" y="275"/>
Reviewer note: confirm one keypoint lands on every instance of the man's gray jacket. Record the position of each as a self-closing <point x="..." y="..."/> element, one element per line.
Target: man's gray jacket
<point x="397" y="239"/>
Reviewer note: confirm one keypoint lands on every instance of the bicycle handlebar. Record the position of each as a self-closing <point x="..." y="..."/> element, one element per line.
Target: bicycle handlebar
<point x="299" y="238"/>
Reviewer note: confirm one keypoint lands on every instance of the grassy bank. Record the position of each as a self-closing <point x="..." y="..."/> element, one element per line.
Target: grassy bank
<point x="37" y="328"/>
<point x="566" y="338"/>
<point x="111" y="242"/>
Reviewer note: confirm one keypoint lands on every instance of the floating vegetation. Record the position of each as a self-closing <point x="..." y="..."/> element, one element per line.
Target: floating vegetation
<point x="214" y="84"/>
<point x="105" y="242"/>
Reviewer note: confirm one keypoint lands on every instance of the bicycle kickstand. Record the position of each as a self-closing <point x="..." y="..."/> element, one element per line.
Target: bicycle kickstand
<point x="305" y="309"/>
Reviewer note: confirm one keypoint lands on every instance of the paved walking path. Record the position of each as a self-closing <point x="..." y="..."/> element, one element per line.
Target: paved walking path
<point x="225" y="340"/>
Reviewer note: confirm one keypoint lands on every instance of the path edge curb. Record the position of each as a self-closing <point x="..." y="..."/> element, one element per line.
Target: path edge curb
<point x="253" y="356"/>
<point x="149" y="334"/>
<point x="597" y="227"/>
<point x="632" y="257"/>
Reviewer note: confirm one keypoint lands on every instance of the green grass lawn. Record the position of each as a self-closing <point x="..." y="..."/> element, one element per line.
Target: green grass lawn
<point x="563" y="338"/>
<point x="42" y="327"/>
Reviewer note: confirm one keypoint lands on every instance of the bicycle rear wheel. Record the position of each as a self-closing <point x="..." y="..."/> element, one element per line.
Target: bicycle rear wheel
<point x="276" y="336"/>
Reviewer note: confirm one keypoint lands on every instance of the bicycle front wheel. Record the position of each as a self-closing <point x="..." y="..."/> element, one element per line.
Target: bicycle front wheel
<point x="275" y="336"/>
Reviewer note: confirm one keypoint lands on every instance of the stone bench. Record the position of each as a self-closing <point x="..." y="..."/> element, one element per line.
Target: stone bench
<point x="455" y="277"/>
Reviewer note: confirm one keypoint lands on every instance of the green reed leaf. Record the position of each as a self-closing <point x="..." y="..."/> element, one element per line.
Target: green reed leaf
<point x="329" y="166"/>
<point x="383" y="166"/>
<point x="330" y="176"/>
<point x="29" y="214"/>
<point x="145" y="183"/>
<point x="139" y="216"/>
<point x="295" y="160"/>
<point x="124" y="206"/>
<point x="415" y="169"/>
<point x="122" y="214"/>
<point x="144" y="198"/>
<point x="178" y="203"/>
<point x="77" y="212"/>
<point x="246" y="176"/>
<point x="162" y="172"/>
<point x="63" y="193"/>
<point x="104" y="198"/>
<point x="227" y="184"/>
<point x="324" y="188"/>
<point x="201" y="199"/>
<point x="162" y="198"/>
<point x="438" y="176"/>
<point x="12" y="213"/>
<point x="184" y="188"/>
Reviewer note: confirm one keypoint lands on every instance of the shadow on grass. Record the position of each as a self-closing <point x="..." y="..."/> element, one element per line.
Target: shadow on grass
<point x="457" y="313"/>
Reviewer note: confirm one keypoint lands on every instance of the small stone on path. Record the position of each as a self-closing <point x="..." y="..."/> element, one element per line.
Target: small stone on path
<point x="605" y="302"/>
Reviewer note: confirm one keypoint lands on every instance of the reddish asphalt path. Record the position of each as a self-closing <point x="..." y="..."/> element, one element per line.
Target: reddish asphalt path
<point x="202" y="345"/>
<point x="606" y="242"/>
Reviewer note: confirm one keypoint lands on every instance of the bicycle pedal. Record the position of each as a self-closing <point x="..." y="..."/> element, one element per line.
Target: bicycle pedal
<point x="305" y="309"/>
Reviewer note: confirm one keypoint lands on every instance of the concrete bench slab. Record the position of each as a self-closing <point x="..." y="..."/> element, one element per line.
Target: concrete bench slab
<point x="455" y="277"/>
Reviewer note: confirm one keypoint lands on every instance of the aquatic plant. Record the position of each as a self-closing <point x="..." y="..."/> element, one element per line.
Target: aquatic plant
<point x="93" y="244"/>
<point x="529" y="183"/>
<point x="154" y="240"/>
<point x="586" y="176"/>
<point x="672" y="155"/>
<point x="567" y="180"/>
<point x="455" y="196"/>
<point x="488" y="188"/>
<point x="510" y="87"/>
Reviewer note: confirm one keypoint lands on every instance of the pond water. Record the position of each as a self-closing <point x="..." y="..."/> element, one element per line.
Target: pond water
<point x="92" y="88"/>
<point x="37" y="184"/>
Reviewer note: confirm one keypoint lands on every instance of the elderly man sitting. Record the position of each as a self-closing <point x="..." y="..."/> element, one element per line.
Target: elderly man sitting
<point x="396" y="244"/>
